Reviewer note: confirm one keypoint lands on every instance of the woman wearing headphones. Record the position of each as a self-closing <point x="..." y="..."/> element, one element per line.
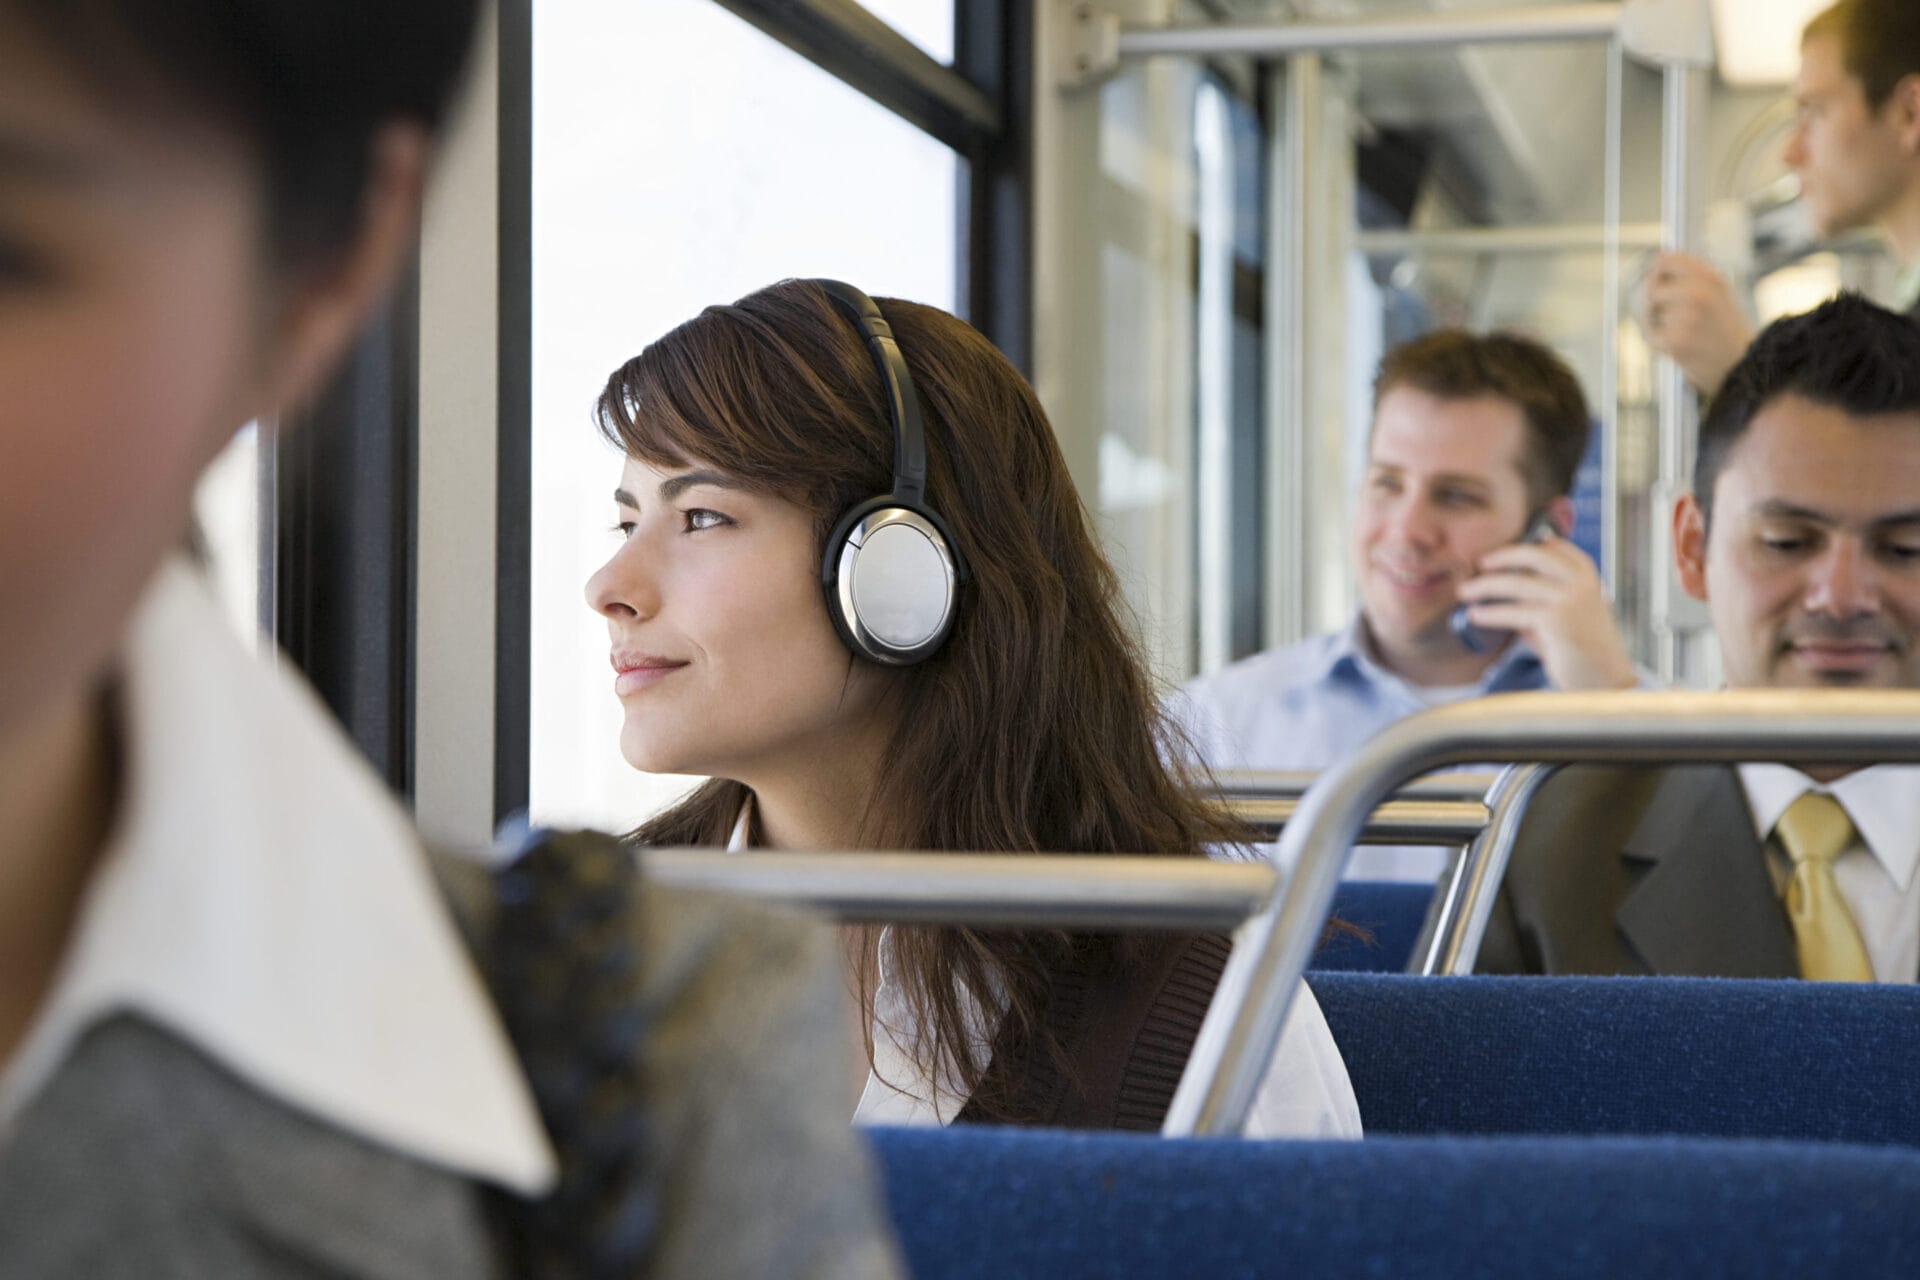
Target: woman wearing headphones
<point x="939" y="663"/>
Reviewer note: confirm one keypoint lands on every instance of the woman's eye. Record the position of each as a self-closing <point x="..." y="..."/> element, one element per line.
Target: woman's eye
<point x="625" y="529"/>
<point x="700" y="518"/>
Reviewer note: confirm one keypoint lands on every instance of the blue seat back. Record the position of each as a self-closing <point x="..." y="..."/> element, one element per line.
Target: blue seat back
<point x="1390" y="911"/>
<point x="998" y="1204"/>
<point x="1724" y="1057"/>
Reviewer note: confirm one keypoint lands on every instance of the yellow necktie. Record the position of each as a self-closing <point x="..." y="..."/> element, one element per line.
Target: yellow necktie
<point x="1814" y="831"/>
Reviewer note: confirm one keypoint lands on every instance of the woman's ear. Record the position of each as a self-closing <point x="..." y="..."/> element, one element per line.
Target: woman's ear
<point x="324" y="306"/>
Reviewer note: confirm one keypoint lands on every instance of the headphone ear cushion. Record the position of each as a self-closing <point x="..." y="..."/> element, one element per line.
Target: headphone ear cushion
<point x="891" y="581"/>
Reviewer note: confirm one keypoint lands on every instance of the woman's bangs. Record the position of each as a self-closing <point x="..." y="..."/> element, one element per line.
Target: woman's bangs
<point x="675" y="405"/>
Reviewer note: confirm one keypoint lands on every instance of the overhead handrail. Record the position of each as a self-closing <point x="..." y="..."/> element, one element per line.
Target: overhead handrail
<point x="1291" y="784"/>
<point x="1271" y="949"/>
<point x="1414" y="822"/>
<point x="1532" y="24"/>
<point x="1011" y="890"/>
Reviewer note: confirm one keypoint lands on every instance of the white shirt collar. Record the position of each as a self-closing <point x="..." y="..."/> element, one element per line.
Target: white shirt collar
<point x="1883" y="801"/>
<point x="264" y="898"/>
<point x="740" y="838"/>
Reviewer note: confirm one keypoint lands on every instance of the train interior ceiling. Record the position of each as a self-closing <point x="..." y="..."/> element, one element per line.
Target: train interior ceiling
<point x="1197" y="252"/>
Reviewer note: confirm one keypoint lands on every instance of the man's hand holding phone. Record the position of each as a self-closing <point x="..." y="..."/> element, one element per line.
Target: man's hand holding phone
<point x="1549" y="593"/>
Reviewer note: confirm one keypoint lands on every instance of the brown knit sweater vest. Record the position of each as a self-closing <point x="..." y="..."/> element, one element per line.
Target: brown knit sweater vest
<point x="1124" y="1030"/>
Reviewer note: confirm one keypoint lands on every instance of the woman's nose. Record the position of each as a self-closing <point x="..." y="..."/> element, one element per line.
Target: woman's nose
<point x="621" y="588"/>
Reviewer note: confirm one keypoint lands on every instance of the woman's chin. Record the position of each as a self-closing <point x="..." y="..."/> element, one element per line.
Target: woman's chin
<point x="650" y="756"/>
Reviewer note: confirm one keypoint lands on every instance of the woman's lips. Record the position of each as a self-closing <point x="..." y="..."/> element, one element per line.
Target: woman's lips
<point x="635" y="673"/>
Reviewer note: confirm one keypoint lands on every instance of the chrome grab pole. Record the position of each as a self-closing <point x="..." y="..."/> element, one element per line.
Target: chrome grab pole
<point x="1468" y="906"/>
<point x="1271" y="949"/>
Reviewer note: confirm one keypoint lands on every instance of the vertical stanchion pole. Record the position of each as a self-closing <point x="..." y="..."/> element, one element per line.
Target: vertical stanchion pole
<point x="1290" y="211"/>
<point x="1609" y="334"/>
<point x="1683" y="88"/>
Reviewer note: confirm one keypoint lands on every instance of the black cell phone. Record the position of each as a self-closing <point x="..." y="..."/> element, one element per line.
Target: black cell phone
<point x="1485" y="639"/>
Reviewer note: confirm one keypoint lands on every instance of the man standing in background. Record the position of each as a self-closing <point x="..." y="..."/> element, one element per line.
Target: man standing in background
<point x="1855" y="146"/>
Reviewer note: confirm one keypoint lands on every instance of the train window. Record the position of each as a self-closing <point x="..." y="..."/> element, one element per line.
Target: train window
<point x="1798" y="286"/>
<point x="928" y="23"/>
<point x="680" y="158"/>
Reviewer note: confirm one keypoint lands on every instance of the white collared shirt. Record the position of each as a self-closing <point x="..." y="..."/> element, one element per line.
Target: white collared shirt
<point x="1305" y="1094"/>
<point x="262" y="897"/>
<point x="1875" y="874"/>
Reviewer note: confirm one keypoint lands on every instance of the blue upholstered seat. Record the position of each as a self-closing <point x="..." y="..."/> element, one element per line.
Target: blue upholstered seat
<point x="1390" y="911"/>
<point x="999" y="1204"/>
<point x="1722" y="1057"/>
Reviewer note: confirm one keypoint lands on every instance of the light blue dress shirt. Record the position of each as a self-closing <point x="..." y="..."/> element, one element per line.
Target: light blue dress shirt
<point x="1311" y="704"/>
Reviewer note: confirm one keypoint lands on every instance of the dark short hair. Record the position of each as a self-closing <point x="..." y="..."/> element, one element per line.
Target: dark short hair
<point x="1457" y="365"/>
<point x="306" y="84"/>
<point x="1879" y="42"/>
<point x="1847" y="354"/>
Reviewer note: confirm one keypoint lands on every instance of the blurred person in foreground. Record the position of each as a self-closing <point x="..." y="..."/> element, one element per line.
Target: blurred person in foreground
<point x="242" y="1033"/>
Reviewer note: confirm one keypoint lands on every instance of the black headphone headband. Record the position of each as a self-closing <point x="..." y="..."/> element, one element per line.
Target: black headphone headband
<point x="903" y="405"/>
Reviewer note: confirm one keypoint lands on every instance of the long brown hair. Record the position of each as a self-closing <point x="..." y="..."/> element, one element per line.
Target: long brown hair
<point x="1036" y="726"/>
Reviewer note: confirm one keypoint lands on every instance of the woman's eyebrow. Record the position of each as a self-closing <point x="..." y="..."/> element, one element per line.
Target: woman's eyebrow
<point x="671" y="489"/>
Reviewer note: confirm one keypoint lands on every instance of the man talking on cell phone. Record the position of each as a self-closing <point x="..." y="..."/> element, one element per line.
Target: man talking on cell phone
<point x="1474" y="444"/>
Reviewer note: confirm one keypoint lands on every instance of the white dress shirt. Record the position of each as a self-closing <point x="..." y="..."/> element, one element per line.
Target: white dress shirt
<point x="1305" y="1093"/>
<point x="262" y="897"/>
<point x="1875" y="874"/>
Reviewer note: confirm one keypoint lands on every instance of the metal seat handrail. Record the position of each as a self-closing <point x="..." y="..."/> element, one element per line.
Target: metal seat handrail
<point x="1292" y="784"/>
<point x="1271" y="949"/>
<point x="1409" y="822"/>
<point x="1070" y="890"/>
<point x="1011" y="890"/>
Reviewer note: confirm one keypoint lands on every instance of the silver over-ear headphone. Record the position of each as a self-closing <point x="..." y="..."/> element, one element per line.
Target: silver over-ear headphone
<point x="890" y="570"/>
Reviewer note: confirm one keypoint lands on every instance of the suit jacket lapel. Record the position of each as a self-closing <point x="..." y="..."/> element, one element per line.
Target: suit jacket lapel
<point x="1706" y="905"/>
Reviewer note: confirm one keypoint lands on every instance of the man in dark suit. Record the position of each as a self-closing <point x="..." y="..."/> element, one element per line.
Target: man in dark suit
<point x="1855" y="146"/>
<point x="1802" y="535"/>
